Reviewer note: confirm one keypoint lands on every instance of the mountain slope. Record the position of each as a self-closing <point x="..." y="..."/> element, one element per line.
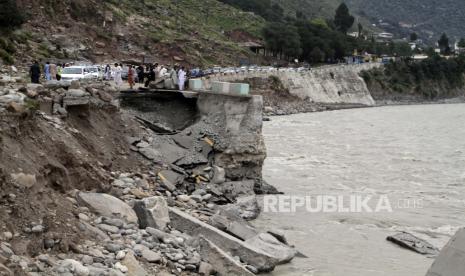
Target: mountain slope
<point x="430" y="18"/>
<point x="188" y="31"/>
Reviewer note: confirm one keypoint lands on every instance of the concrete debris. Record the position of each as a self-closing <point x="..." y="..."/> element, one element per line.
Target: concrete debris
<point x="413" y="243"/>
<point x="107" y="205"/>
<point x="224" y="264"/>
<point x="152" y="212"/>
<point x="451" y="260"/>
<point x="248" y="253"/>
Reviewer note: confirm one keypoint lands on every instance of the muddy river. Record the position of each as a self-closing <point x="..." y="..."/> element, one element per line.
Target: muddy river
<point x="412" y="155"/>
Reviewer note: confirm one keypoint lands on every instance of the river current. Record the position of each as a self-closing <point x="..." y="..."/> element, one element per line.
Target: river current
<point x="413" y="155"/>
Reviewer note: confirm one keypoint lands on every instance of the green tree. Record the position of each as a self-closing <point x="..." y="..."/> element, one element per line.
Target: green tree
<point x="343" y="19"/>
<point x="444" y="44"/>
<point x="413" y="37"/>
<point x="461" y="43"/>
<point x="10" y="15"/>
<point x="316" y="55"/>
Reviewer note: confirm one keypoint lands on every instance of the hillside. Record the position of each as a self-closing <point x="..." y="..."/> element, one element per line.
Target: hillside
<point x="184" y="31"/>
<point x="429" y="18"/>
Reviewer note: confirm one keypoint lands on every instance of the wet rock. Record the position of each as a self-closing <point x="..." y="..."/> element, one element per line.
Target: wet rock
<point x="107" y="205"/>
<point x="223" y="263"/>
<point x="248" y="253"/>
<point x="268" y="243"/>
<point x="152" y="212"/>
<point x="413" y="243"/>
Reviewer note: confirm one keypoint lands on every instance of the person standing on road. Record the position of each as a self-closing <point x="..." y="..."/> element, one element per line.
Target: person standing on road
<point x="59" y="71"/>
<point x="181" y="78"/>
<point x="35" y="72"/>
<point x="141" y="73"/>
<point x="118" y="75"/>
<point x="53" y="71"/>
<point x="107" y="72"/>
<point x="131" y="76"/>
<point x="174" y="77"/>
<point x="47" y="71"/>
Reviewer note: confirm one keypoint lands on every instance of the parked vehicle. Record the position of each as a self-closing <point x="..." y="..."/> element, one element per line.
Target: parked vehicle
<point x="76" y="73"/>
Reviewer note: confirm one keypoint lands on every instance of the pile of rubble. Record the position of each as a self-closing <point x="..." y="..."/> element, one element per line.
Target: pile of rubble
<point x="186" y="215"/>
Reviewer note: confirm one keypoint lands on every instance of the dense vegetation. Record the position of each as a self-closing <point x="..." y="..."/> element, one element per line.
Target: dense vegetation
<point x="433" y="78"/>
<point x="313" y="40"/>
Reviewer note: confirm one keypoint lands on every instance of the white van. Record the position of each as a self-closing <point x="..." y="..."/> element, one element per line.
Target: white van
<point x="76" y="73"/>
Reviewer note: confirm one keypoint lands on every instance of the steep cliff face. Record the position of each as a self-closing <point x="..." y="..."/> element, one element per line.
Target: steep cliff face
<point x="236" y="123"/>
<point x="327" y="85"/>
<point x="210" y="130"/>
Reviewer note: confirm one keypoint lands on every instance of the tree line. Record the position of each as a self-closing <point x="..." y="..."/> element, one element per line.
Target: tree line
<point x="314" y="40"/>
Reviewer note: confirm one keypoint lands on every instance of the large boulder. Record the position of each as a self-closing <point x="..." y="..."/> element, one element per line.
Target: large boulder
<point x="152" y="212"/>
<point x="271" y="245"/>
<point x="260" y="259"/>
<point x="107" y="205"/>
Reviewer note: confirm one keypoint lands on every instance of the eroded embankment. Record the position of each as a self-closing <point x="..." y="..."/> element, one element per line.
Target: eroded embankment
<point x="165" y="184"/>
<point x="288" y="92"/>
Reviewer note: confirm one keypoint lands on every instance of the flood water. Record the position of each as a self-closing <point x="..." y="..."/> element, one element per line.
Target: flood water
<point x="411" y="154"/>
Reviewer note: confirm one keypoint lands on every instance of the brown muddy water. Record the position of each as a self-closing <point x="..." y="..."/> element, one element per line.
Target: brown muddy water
<point x="411" y="154"/>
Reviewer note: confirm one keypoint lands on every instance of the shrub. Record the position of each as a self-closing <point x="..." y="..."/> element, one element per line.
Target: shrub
<point x="6" y="57"/>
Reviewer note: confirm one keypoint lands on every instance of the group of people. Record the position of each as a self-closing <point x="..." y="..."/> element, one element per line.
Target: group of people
<point x="173" y="78"/>
<point x="51" y="71"/>
<point x="147" y="74"/>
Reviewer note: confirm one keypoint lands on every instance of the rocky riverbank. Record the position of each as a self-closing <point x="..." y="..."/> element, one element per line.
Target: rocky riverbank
<point x="96" y="185"/>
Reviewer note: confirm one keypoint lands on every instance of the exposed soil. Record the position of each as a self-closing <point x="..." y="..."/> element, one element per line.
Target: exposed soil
<point x="77" y="153"/>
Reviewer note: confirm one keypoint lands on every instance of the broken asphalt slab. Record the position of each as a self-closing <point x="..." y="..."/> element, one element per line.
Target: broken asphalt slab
<point x="413" y="243"/>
